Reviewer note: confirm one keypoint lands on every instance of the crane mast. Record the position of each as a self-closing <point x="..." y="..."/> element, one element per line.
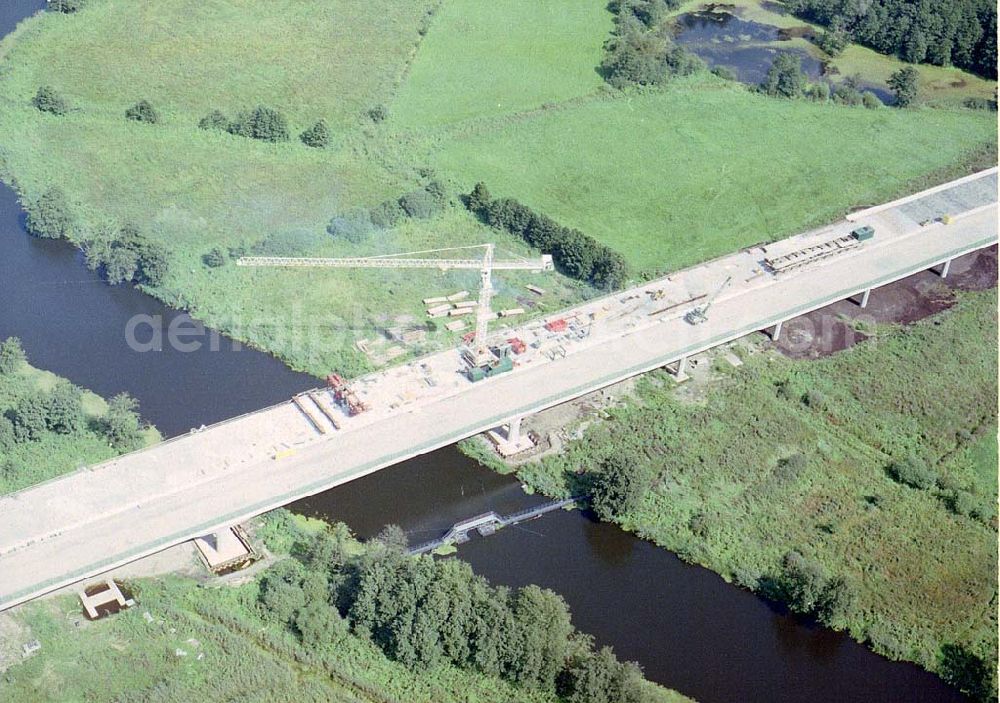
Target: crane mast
<point x="480" y="353"/>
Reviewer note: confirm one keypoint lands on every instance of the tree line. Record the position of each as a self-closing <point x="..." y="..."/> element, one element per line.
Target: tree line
<point x="426" y="613"/>
<point x="576" y="254"/>
<point x="941" y="32"/>
<point x="786" y="79"/>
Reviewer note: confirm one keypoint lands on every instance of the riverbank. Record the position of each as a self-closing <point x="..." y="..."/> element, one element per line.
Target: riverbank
<point x="274" y="638"/>
<point x="48" y="427"/>
<point x="778" y="456"/>
<point x="203" y="196"/>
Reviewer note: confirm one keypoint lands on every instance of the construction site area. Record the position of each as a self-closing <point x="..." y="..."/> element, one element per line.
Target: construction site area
<point x="218" y="476"/>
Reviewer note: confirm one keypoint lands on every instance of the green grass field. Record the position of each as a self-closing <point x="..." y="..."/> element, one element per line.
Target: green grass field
<point x="923" y="575"/>
<point x="26" y="463"/>
<point x="703" y="168"/>
<point x="488" y="59"/>
<point x="666" y="178"/>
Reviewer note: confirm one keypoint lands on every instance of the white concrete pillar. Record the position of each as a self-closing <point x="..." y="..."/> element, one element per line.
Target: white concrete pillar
<point x="864" y="298"/>
<point x="776" y="332"/>
<point x="682" y="366"/>
<point x="514" y="431"/>
<point x="944" y="269"/>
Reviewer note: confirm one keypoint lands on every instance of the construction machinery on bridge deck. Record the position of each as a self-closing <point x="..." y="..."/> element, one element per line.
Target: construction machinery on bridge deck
<point x="695" y="316"/>
<point x="807" y="255"/>
<point x="482" y="361"/>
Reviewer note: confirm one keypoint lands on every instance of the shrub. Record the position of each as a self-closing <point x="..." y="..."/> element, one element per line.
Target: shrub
<point x="64" y="408"/>
<point x="317" y="136"/>
<point x="478" y="199"/>
<point x="785" y="77"/>
<point x="818" y="92"/>
<point x="48" y="100"/>
<point x="288" y="242"/>
<point x="904" y="85"/>
<point x="143" y="111"/>
<point x="7" y="437"/>
<point x="50" y="216"/>
<point x="833" y="42"/>
<point x="598" y="677"/>
<point x="263" y="123"/>
<point x="67" y="7"/>
<point x="980" y="104"/>
<point x="121" y="422"/>
<point x="214" y="120"/>
<point x="12" y="356"/>
<point x="214" y="258"/>
<point x="914" y="472"/>
<point x="377" y="114"/>
<point x="387" y="214"/>
<point x="724" y="72"/>
<point x="354" y="226"/>
<point x="870" y="100"/>
<point x="29" y="418"/>
<point x="847" y="93"/>
<point x="419" y="204"/>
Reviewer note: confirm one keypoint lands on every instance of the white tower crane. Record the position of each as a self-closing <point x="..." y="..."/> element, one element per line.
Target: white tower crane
<point x="486" y="266"/>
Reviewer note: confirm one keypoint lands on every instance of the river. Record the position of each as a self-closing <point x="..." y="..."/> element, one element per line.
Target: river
<point x="686" y="626"/>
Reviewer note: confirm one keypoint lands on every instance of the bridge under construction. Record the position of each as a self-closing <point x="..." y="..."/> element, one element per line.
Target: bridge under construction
<point x="100" y="517"/>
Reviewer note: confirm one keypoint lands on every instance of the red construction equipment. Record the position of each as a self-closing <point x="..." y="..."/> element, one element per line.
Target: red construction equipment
<point x="517" y="345"/>
<point x="345" y="395"/>
<point x="556" y="325"/>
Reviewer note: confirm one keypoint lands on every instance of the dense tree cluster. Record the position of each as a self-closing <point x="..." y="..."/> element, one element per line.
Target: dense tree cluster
<point x="48" y="99"/>
<point x="804" y="585"/>
<point x="641" y="50"/>
<point x="940" y="32"/>
<point x="143" y="111"/>
<point x="50" y="217"/>
<point x="263" y="123"/>
<point x="124" y="255"/>
<point x="425" y="613"/>
<point x="618" y="487"/>
<point x="785" y="77"/>
<point x="576" y="254"/>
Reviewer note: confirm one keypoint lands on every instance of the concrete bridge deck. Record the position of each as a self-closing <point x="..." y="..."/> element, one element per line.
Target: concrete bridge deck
<point x="85" y="523"/>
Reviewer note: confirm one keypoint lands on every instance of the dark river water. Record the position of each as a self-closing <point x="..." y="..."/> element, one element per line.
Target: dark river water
<point x="689" y="629"/>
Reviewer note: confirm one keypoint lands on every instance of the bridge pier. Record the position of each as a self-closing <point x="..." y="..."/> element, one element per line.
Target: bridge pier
<point x="945" y="268"/>
<point x="680" y="372"/>
<point x="864" y="298"/>
<point x="776" y="332"/>
<point x="509" y="440"/>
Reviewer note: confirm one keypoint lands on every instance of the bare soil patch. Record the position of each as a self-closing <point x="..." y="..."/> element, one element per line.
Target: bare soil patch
<point x="845" y="323"/>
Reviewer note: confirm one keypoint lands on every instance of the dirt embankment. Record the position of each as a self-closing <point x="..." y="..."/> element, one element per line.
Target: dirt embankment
<point x="845" y="323"/>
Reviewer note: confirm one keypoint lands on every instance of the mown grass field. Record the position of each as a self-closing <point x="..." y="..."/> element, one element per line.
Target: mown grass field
<point x="673" y="178"/>
<point x="667" y="179"/>
<point x="786" y="455"/>
<point x="496" y="58"/>
<point x="26" y="463"/>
